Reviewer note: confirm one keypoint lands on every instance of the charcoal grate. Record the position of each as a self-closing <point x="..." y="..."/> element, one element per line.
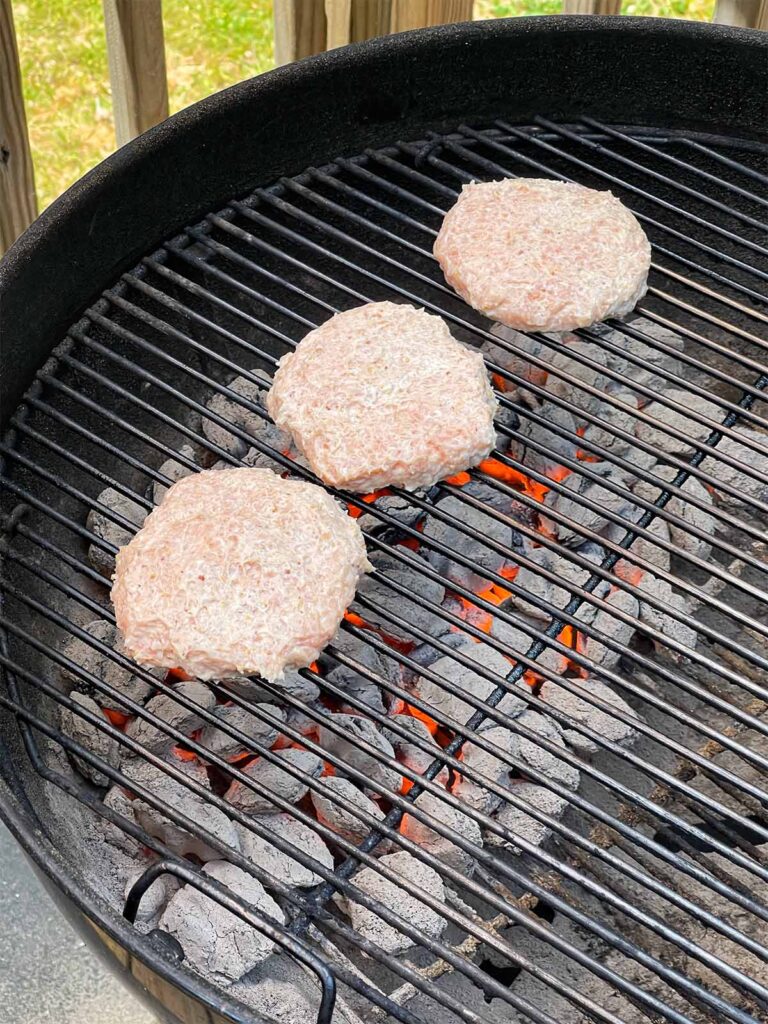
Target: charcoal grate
<point x="135" y="380"/>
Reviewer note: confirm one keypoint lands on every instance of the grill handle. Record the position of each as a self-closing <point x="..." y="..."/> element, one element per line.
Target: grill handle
<point x="220" y="894"/>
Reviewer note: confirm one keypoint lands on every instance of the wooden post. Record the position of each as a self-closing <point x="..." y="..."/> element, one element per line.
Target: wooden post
<point x="338" y="16"/>
<point x="369" y="18"/>
<point x="136" y="56"/>
<point x="745" y="13"/>
<point x="299" y="29"/>
<point x="407" y="14"/>
<point x="18" y="203"/>
<point x="591" y="6"/>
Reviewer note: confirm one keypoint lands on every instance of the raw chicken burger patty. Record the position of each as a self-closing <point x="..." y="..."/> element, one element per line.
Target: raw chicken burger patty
<point x="543" y="255"/>
<point x="383" y="394"/>
<point x="238" y="571"/>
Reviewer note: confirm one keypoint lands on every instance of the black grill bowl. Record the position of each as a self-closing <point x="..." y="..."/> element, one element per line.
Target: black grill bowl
<point x="671" y="84"/>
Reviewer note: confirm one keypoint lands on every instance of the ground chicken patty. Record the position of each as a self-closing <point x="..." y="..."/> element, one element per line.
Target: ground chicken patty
<point x="238" y="571"/>
<point x="383" y="394"/>
<point x="543" y="255"/>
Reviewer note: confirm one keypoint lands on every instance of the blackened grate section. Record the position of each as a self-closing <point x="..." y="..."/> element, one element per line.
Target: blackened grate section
<point x="656" y="889"/>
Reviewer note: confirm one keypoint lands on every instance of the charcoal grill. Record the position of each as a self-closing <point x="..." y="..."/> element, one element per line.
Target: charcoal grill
<point x="646" y="899"/>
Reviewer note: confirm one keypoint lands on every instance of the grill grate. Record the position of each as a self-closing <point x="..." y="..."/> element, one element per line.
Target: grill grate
<point x="663" y="846"/>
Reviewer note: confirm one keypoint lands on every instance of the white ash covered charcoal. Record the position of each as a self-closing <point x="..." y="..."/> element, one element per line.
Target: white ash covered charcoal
<point x="353" y="681"/>
<point x="174" y="470"/>
<point x="107" y="529"/>
<point x="678" y="626"/>
<point x="333" y="810"/>
<point x="537" y="757"/>
<point x="361" y="729"/>
<point x="104" y="667"/>
<point x="475" y="794"/>
<point x="186" y="802"/>
<point x="571" y="503"/>
<point x="399" y="900"/>
<point x="575" y="374"/>
<point x="610" y="420"/>
<point x="499" y="498"/>
<point x="690" y="514"/>
<point x="537" y="428"/>
<point x="748" y="486"/>
<point x="409" y="576"/>
<point x="399" y="508"/>
<point x="518" y="823"/>
<point x="239" y="416"/>
<point x="557" y="596"/>
<point x="655" y="331"/>
<point x="306" y="720"/>
<point x="270" y="779"/>
<point x="365" y="692"/>
<point x="261" y="732"/>
<point x="272" y="436"/>
<point x="441" y="847"/>
<point x="155" y="898"/>
<point x="606" y="625"/>
<point x="427" y="654"/>
<point x="216" y="943"/>
<point x="292" y="683"/>
<point x="143" y="773"/>
<point x="164" y="707"/>
<point x="512" y="354"/>
<point x="278" y="863"/>
<point x="678" y="417"/>
<point x="655" y="364"/>
<point x="96" y="742"/>
<point x="599" y="721"/>
<point x="651" y="549"/>
<point x="465" y="679"/>
<point x="488" y="559"/>
<point x="507" y="418"/>
<point x="411" y="755"/>
<point x="517" y="641"/>
<point x="117" y="800"/>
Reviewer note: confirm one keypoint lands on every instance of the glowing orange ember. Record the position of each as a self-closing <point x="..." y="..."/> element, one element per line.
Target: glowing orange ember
<point x="499" y="382"/>
<point x="458" y="479"/>
<point x="117" y="718"/>
<point x="422" y="716"/>
<point x="409" y="542"/>
<point x="355" y="619"/>
<point x="628" y="572"/>
<point x="183" y="754"/>
<point x="509" y="475"/>
<point x="475" y="616"/>
<point x="404" y="646"/>
<point x="177" y="675"/>
<point x="355" y="512"/>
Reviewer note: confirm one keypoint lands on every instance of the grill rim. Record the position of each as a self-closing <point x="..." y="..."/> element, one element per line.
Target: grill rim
<point x="403" y="81"/>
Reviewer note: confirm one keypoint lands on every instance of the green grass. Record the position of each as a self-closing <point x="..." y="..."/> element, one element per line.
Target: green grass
<point x="210" y="44"/>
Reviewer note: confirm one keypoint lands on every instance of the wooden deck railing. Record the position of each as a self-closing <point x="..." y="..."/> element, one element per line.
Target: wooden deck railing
<point x="136" y="57"/>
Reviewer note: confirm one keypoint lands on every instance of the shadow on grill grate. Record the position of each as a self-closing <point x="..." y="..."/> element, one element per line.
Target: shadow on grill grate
<point x="526" y="781"/>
